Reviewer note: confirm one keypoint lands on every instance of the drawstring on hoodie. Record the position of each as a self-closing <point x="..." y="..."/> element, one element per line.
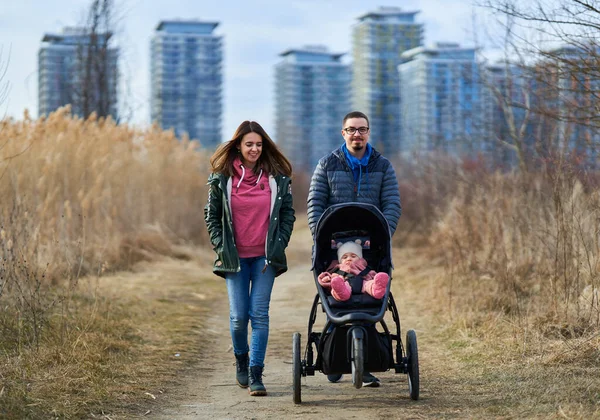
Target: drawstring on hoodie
<point x="237" y="187"/>
<point x="355" y="163"/>
<point x="359" y="179"/>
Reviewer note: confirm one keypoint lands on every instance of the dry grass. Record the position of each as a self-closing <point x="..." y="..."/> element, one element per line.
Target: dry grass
<point x="125" y="340"/>
<point x="522" y="250"/>
<point x="519" y="299"/>
<point x="85" y="198"/>
<point x="81" y="188"/>
<point x="517" y="310"/>
<point x="527" y="247"/>
<point x="474" y="363"/>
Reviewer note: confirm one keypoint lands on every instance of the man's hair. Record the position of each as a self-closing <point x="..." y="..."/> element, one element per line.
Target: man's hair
<point x="354" y="114"/>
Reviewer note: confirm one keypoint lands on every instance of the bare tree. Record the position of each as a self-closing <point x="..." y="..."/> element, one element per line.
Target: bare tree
<point x="4" y="85"/>
<point x="94" y="87"/>
<point x="556" y="46"/>
<point x="507" y="92"/>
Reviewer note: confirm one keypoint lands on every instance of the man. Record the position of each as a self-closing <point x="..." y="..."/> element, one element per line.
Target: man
<point x="355" y="172"/>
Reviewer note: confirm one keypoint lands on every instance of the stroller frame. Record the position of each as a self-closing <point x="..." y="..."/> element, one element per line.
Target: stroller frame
<point x="362" y="345"/>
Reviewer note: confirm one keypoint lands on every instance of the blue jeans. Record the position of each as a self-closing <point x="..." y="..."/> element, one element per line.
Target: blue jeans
<point x="249" y="296"/>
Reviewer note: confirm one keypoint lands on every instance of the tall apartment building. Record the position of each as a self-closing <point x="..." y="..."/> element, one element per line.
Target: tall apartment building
<point x="378" y="40"/>
<point x="441" y="100"/>
<point x="545" y="108"/>
<point x="312" y="96"/>
<point x="186" y="79"/>
<point x="64" y="79"/>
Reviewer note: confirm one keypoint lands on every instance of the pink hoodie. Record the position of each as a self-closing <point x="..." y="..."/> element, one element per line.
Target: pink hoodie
<point x="250" y="210"/>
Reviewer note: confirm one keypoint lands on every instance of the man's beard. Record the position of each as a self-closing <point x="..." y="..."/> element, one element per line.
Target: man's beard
<point x="358" y="146"/>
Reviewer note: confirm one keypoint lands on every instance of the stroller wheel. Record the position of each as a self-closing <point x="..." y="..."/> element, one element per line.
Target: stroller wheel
<point x="412" y="354"/>
<point x="358" y="357"/>
<point x="296" y="368"/>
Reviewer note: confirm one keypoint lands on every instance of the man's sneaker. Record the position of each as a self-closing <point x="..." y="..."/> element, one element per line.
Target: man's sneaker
<point x="241" y="369"/>
<point x="370" y="380"/>
<point x="256" y="385"/>
<point x="334" y="378"/>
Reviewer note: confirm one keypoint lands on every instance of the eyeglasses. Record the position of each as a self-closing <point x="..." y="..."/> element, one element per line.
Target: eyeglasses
<point x="352" y="130"/>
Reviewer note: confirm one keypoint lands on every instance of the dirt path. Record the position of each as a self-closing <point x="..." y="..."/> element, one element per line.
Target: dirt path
<point x="212" y="392"/>
<point x="466" y="370"/>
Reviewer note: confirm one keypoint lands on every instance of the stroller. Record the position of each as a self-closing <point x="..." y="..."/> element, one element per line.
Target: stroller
<point x="350" y="341"/>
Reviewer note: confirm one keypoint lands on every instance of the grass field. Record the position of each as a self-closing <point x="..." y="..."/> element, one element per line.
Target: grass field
<point x="89" y="206"/>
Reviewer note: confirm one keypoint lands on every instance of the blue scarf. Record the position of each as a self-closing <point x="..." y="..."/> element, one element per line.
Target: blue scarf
<point x="357" y="164"/>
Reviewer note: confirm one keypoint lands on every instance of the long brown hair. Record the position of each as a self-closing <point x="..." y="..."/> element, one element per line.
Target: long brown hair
<point x="271" y="160"/>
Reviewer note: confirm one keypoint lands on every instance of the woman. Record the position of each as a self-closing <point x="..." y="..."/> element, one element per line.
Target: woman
<point x="249" y="216"/>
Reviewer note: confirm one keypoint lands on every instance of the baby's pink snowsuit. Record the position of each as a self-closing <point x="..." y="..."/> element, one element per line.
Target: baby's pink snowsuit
<point x="374" y="284"/>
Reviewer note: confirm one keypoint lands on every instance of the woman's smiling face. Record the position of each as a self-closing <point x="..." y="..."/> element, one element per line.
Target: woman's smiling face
<point x="251" y="149"/>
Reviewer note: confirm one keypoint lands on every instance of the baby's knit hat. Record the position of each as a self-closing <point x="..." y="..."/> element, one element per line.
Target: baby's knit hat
<point x="349" y="247"/>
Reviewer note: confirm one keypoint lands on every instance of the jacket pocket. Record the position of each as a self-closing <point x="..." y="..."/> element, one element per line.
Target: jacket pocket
<point x="277" y="252"/>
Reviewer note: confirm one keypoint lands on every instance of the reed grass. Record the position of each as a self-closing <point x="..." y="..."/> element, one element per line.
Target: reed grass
<point x="83" y="198"/>
<point x="524" y="247"/>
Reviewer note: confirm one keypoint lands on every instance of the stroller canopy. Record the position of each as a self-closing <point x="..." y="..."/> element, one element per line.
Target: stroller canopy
<point x="355" y="219"/>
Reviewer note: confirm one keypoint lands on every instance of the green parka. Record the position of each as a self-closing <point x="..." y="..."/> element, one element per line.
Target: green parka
<point x="217" y="214"/>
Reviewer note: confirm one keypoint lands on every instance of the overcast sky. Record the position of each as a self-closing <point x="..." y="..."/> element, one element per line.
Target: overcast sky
<point x="255" y="33"/>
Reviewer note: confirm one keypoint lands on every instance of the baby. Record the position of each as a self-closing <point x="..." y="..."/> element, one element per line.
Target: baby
<point x="351" y="263"/>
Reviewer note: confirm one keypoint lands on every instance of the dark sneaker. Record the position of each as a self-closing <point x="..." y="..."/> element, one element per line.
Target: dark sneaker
<point x="370" y="380"/>
<point x="334" y="378"/>
<point x="241" y="369"/>
<point x="256" y="385"/>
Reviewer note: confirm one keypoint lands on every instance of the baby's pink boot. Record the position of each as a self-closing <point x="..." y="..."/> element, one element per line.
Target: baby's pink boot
<point x="340" y="289"/>
<point x="379" y="285"/>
